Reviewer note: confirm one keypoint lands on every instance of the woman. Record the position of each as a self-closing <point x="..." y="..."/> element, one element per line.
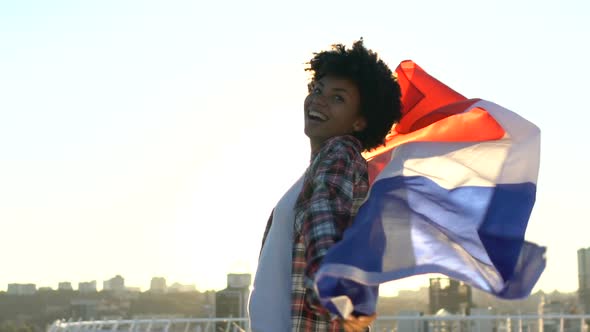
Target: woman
<point x="353" y="102"/>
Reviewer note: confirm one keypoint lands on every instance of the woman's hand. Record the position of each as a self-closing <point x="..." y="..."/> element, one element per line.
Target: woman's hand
<point x="358" y="324"/>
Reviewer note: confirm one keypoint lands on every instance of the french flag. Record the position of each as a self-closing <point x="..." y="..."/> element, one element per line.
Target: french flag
<point x="452" y="192"/>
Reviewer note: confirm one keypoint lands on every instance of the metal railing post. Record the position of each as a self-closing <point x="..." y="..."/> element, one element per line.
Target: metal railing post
<point x="53" y="327"/>
<point x="167" y="328"/>
<point x="79" y="325"/>
<point x="149" y="327"/>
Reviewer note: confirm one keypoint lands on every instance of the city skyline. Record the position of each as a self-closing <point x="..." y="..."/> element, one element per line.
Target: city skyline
<point x="142" y="138"/>
<point x="68" y="285"/>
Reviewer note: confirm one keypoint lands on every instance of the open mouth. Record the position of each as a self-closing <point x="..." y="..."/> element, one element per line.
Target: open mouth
<point x="317" y="116"/>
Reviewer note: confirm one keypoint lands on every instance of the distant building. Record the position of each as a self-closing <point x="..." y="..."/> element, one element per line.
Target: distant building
<point x="64" y="286"/>
<point x="233" y="301"/>
<point x="87" y="287"/>
<point x="180" y="288"/>
<point x="584" y="279"/>
<point x="158" y="285"/>
<point x="556" y="324"/>
<point x="209" y="299"/>
<point x="116" y="284"/>
<point x="549" y="308"/>
<point x="239" y="280"/>
<point x="442" y="324"/>
<point x="451" y="295"/>
<point x="21" y="289"/>
<point x="84" y="309"/>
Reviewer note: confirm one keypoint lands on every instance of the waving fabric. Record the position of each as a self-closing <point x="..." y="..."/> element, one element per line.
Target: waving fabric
<point x="452" y="192"/>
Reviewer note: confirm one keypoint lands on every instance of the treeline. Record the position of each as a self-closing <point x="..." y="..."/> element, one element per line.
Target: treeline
<point x="34" y="313"/>
<point x="418" y="302"/>
<point x="11" y="326"/>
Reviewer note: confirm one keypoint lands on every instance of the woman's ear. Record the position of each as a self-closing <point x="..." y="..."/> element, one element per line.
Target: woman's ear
<point x="360" y="124"/>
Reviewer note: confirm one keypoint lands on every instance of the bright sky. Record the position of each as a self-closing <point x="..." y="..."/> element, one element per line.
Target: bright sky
<point x="153" y="138"/>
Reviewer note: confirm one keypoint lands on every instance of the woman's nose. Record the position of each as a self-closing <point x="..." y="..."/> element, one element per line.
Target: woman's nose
<point x="319" y="100"/>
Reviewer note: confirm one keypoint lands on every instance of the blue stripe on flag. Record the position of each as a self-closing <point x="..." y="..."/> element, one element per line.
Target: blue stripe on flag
<point x="496" y="212"/>
<point x="502" y="232"/>
<point x="486" y="223"/>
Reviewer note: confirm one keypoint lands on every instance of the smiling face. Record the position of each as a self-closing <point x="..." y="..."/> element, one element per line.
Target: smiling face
<point x="332" y="108"/>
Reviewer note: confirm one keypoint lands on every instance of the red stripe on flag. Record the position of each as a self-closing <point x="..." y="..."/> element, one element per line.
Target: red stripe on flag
<point x="432" y="112"/>
<point x="422" y="93"/>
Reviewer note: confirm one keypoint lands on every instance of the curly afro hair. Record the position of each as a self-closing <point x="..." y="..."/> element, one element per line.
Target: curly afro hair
<point x="380" y="93"/>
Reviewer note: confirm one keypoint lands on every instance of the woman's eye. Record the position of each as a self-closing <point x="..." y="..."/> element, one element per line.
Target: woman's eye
<point x="338" y="98"/>
<point x="316" y="91"/>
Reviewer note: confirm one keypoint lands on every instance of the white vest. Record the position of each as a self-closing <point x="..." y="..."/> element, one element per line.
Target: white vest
<point x="270" y="302"/>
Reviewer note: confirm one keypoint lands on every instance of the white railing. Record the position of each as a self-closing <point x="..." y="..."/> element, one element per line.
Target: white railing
<point x="520" y="323"/>
<point x="152" y="325"/>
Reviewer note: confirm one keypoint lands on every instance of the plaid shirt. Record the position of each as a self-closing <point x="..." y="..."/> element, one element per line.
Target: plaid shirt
<point x="335" y="185"/>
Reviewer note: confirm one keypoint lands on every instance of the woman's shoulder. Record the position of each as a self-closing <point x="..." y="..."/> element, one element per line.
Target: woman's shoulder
<point x="342" y="146"/>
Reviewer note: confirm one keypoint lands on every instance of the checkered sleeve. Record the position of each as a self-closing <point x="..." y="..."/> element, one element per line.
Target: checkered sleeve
<point x="330" y="212"/>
